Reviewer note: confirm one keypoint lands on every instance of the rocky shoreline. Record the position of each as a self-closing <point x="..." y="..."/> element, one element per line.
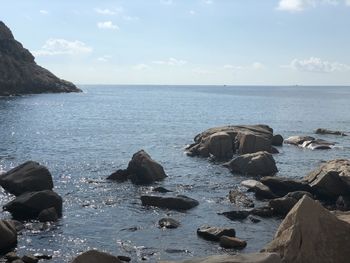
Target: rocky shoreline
<point x="315" y="223"/>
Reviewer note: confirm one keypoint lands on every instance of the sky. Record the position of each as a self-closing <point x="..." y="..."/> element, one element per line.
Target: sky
<point x="187" y="42"/>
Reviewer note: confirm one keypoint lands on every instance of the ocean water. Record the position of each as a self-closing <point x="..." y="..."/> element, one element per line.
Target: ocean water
<point x="84" y="137"/>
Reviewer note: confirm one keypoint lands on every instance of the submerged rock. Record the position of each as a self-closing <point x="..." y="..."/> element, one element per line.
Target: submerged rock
<point x="223" y="142"/>
<point x="94" y="256"/>
<point x="8" y="235"/>
<point x="259" y="163"/>
<point x="310" y="232"/>
<point x="180" y="202"/>
<point x="331" y="179"/>
<point x="19" y="74"/>
<point x="142" y="169"/>
<point x="215" y="233"/>
<point x="326" y="131"/>
<point x="27" y="177"/>
<point x="309" y="142"/>
<point x="240" y="199"/>
<point x="168" y="223"/>
<point x="30" y="205"/>
<point x="48" y="215"/>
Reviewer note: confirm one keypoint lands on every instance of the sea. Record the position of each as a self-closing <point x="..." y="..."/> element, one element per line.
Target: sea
<point x="84" y="137"/>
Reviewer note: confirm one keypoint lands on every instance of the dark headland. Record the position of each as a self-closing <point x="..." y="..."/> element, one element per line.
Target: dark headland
<point x="19" y="73"/>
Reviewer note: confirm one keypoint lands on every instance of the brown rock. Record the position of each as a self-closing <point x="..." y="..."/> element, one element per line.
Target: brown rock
<point x="221" y="145"/>
<point x="180" y="202"/>
<point x="8" y="235"/>
<point x="94" y="256"/>
<point x="232" y="242"/>
<point x="215" y="233"/>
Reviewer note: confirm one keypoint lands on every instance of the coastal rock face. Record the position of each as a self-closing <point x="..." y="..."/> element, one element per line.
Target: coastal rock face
<point x="331" y="179"/>
<point x="30" y="205"/>
<point x="8" y="235"/>
<point x="259" y="163"/>
<point x="180" y="202"/>
<point x="27" y="177"/>
<point x="309" y="233"/>
<point x="94" y="256"/>
<point x="223" y="142"/>
<point x="142" y="169"/>
<point x="239" y="258"/>
<point x="283" y="205"/>
<point x="19" y="74"/>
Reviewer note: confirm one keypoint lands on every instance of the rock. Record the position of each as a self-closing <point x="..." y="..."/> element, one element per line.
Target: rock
<point x="283" y="205"/>
<point x="168" y="223"/>
<point x="239" y="258"/>
<point x="29" y="205"/>
<point x="259" y="163"/>
<point x="19" y="74"/>
<point x="42" y="256"/>
<point x="215" y="233"/>
<point x="254" y="219"/>
<point x="277" y="140"/>
<point x="27" y="177"/>
<point x="124" y="258"/>
<point x="161" y="190"/>
<point x="264" y="211"/>
<point x="326" y="131"/>
<point x="343" y="203"/>
<point x="298" y="140"/>
<point x="282" y="186"/>
<point x="232" y="242"/>
<point x="236" y="214"/>
<point x="48" y="215"/>
<point x="311" y="232"/>
<point x="261" y="191"/>
<point x="180" y="202"/>
<point x="221" y="145"/>
<point x="11" y="256"/>
<point x="29" y="259"/>
<point x="142" y="169"/>
<point x="94" y="256"/>
<point x="18" y="261"/>
<point x="242" y="139"/>
<point x="8" y="235"/>
<point x="309" y="142"/>
<point x="331" y="179"/>
<point x="240" y="199"/>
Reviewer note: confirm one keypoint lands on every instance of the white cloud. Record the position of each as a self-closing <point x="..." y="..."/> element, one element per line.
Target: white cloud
<point x="131" y="18"/>
<point x="141" y="67"/>
<point x="57" y="46"/>
<point x="255" y="66"/>
<point x="300" y="5"/>
<point x="314" y="64"/>
<point x="44" y="12"/>
<point x="170" y="62"/>
<point x="201" y="71"/>
<point x="104" y="58"/>
<point x="347" y="2"/>
<point x="192" y="12"/>
<point x="107" y="25"/>
<point x="107" y="11"/>
<point x="233" y="67"/>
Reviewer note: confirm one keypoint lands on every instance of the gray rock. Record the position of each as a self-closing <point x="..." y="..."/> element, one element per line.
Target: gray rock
<point x="282" y="186"/>
<point x="27" y="177"/>
<point x="11" y="256"/>
<point x="29" y="205"/>
<point x="179" y="202"/>
<point x="168" y="223"/>
<point x="8" y="235"/>
<point x="19" y="74"/>
<point x="326" y="131"/>
<point x="277" y="140"/>
<point x="240" y="199"/>
<point x="48" y="215"/>
<point x="255" y="164"/>
<point x="221" y="145"/>
<point x="29" y="259"/>
<point x="236" y="214"/>
<point x="94" y="256"/>
<point x="215" y="233"/>
<point x="283" y="205"/>
<point x="261" y="191"/>
<point x="309" y="142"/>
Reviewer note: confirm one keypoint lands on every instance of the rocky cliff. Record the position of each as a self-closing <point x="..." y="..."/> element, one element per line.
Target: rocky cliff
<point x="19" y="74"/>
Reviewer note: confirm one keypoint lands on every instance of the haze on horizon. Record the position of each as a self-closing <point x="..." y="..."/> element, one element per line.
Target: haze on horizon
<point x="211" y="42"/>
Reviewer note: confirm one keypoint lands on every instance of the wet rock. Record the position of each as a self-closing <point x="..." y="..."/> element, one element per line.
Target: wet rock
<point x="29" y="259"/>
<point x="311" y="232"/>
<point x="309" y="142"/>
<point x="264" y="211"/>
<point x="222" y="142"/>
<point x="8" y="235"/>
<point x="215" y="233"/>
<point x="168" y="223"/>
<point x="261" y="191"/>
<point x="232" y="242"/>
<point x="331" y="179"/>
<point x="343" y="203"/>
<point x="282" y="186"/>
<point x="18" y="225"/>
<point x="283" y="205"/>
<point x="27" y="177"/>
<point x="48" y="215"/>
<point x="19" y="74"/>
<point x="94" y="256"/>
<point x="180" y="202"/>
<point x="326" y="131"/>
<point x="161" y="189"/>
<point x="254" y="219"/>
<point x="42" y="256"/>
<point x="298" y="140"/>
<point x="11" y="256"/>
<point x="29" y="205"/>
<point x="240" y="199"/>
<point x="259" y="163"/>
<point x="142" y="169"/>
<point x="236" y="214"/>
<point x="239" y="258"/>
<point x="124" y="258"/>
<point x="18" y="261"/>
<point x="277" y="140"/>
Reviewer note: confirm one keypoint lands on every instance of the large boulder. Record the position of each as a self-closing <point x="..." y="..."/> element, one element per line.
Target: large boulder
<point x="331" y="179"/>
<point x="261" y="190"/>
<point x="19" y="74"/>
<point x="27" y="177"/>
<point x="94" y="256"/>
<point x="142" y="169"/>
<point x="30" y="205"/>
<point x="180" y="202"/>
<point x="283" y="205"/>
<point x="8" y="235"/>
<point x="259" y="163"/>
<point x="282" y="186"/>
<point x="239" y="258"/>
<point x="222" y="142"/>
<point x="277" y="140"/>
<point x="310" y="233"/>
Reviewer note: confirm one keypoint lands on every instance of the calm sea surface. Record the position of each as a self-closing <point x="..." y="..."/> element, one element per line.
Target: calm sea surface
<point x="82" y="138"/>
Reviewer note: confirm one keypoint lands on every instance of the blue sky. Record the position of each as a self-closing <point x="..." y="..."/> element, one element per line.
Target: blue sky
<point x="233" y="42"/>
